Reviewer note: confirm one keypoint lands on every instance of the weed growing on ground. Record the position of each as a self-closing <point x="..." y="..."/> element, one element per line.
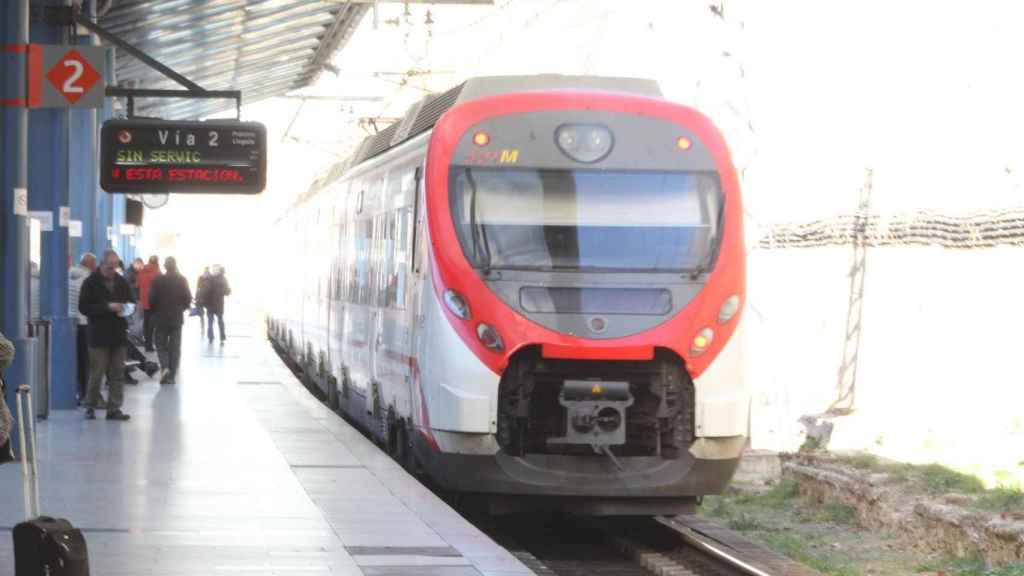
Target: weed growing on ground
<point x="830" y="512"/>
<point x="1002" y="499"/>
<point x="782" y="493"/>
<point x="810" y="445"/>
<point x="744" y="522"/>
<point x="896" y="470"/>
<point x="939" y="479"/>
<point x="837" y="513"/>
<point x="864" y="461"/>
<point x="971" y="566"/>
<point x="797" y="548"/>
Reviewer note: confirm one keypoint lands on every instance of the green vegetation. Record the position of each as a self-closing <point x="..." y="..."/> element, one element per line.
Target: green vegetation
<point x="939" y="479"/>
<point x="837" y="513"/>
<point x="797" y="548"/>
<point x="972" y="566"/>
<point x="772" y="516"/>
<point x="863" y="461"/>
<point x="1002" y="500"/>
<point x="810" y="445"/>
<point x="936" y="479"/>
<point x="826" y="537"/>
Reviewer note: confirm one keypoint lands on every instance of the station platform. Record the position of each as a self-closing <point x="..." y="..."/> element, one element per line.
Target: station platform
<point x="237" y="469"/>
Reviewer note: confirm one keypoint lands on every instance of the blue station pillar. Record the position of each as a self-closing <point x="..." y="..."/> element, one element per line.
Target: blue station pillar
<point x="87" y="201"/>
<point x="49" y="182"/>
<point x="14" y="244"/>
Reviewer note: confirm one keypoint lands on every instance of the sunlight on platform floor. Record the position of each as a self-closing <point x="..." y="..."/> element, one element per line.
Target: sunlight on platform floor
<point x="237" y="469"/>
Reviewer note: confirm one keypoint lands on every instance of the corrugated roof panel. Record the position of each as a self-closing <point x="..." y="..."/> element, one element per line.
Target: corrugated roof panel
<point x="264" y="48"/>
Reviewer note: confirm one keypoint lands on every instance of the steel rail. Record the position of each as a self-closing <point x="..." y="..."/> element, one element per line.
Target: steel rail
<point x="690" y="537"/>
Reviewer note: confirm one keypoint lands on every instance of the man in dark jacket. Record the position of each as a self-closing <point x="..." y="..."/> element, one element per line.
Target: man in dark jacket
<point x="169" y="298"/>
<point x="216" y="289"/>
<point x="105" y="300"/>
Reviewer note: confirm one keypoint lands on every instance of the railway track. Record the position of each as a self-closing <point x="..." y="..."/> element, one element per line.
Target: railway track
<point x="662" y="546"/>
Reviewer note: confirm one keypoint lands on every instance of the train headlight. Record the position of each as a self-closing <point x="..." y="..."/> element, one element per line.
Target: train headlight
<point x="729" y="309"/>
<point x="701" y="341"/>
<point x="457" y="304"/>
<point x="585" y="143"/>
<point x="489" y="337"/>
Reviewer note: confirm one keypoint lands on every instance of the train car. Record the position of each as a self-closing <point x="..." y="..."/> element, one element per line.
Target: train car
<point x="530" y="289"/>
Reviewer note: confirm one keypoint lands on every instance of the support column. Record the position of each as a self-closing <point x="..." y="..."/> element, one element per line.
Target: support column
<point x="14" y="268"/>
<point x="49" y="182"/>
<point x="111" y="206"/>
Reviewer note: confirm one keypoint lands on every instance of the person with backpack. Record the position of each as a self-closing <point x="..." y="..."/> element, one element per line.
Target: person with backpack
<point x="169" y="298"/>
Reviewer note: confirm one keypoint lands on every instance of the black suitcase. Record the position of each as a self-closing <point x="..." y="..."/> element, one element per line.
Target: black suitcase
<point x="47" y="546"/>
<point x="43" y="546"/>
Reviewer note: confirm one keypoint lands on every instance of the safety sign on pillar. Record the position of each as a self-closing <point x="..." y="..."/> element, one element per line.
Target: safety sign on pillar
<point x="65" y="76"/>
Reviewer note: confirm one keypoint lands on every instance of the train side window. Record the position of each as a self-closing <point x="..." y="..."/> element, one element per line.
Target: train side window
<point x="363" y="237"/>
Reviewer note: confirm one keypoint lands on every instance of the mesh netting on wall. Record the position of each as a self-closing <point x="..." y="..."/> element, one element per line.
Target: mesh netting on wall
<point x="978" y="230"/>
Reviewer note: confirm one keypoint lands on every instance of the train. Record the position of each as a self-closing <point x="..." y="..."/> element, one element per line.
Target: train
<point x="529" y="289"/>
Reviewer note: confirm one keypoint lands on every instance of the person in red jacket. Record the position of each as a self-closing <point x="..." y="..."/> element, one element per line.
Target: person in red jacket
<point x="146" y="276"/>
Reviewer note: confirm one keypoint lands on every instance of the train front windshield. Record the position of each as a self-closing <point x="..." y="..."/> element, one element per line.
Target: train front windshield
<point x="586" y="220"/>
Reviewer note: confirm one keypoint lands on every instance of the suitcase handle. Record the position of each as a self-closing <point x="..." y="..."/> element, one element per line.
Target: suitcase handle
<point x="30" y="474"/>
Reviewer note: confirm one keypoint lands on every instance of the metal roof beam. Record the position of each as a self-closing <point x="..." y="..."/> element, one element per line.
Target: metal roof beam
<point x="170" y="13"/>
<point x="246" y="30"/>
<point x="275" y="80"/>
<point x="198" y="109"/>
<point x="477" y="2"/>
<point x="134" y="51"/>
<point x="337" y="35"/>
<point x="129" y="66"/>
<point x="136" y="15"/>
<point x="231" y="80"/>
<point x="271" y="62"/>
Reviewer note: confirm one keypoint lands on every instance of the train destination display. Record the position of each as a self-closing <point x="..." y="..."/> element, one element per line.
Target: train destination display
<point x="159" y="156"/>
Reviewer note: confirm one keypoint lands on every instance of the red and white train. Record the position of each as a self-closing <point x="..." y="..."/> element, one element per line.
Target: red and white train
<point x="531" y="287"/>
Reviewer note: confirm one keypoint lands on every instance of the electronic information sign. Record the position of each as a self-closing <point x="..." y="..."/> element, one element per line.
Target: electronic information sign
<point x="160" y="156"/>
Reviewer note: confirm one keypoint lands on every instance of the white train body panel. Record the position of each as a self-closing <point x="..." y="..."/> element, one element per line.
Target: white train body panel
<point x="461" y="391"/>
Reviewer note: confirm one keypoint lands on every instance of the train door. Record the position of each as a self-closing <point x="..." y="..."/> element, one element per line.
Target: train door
<point x="339" y="247"/>
<point x="391" y="355"/>
<point x="418" y="285"/>
<point x="335" y="318"/>
<point x="356" y="315"/>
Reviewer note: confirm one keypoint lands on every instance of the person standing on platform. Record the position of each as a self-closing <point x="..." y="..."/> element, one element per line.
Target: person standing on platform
<point x="169" y="298"/>
<point x="76" y="277"/>
<point x="132" y="276"/>
<point x="149" y="273"/>
<point x="201" y="284"/>
<point x="106" y="300"/>
<point x="213" y="298"/>
<point x="6" y="418"/>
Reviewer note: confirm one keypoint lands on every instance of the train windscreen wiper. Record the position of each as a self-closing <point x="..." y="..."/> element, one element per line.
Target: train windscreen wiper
<point x="480" y="243"/>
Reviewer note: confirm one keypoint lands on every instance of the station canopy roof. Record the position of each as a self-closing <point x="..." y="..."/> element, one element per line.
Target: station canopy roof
<point x="264" y="48"/>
